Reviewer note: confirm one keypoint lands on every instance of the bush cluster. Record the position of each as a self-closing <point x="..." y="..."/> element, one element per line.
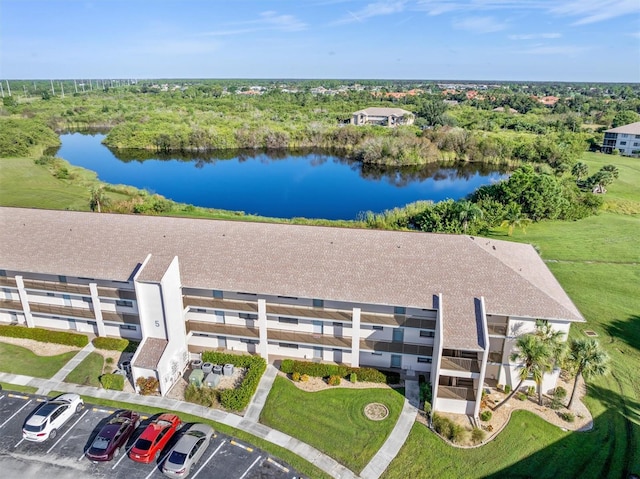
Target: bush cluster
<point x="319" y="370"/>
<point x="204" y="396"/>
<point x="44" y="335"/>
<point x="521" y="396"/>
<point x="486" y="416"/>
<point x="148" y="385"/>
<point x="478" y="435"/>
<point x="115" y="344"/>
<point x="238" y="399"/>
<point x="507" y="389"/>
<point x="558" y="397"/>
<point x="447" y="428"/>
<point x="334" y="381"/>
<point x="112" y="381"/>
<point x="567" y="416"/>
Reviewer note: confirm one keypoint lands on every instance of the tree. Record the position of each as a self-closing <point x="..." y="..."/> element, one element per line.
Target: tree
<point x="624" y="118"/>
<point x="98" y="199"/>
<point x="513" y="218"/>
<point x="467" y="213"/>
<point x="580" y="170"/>
<point x="588" y="359"/>
<point x="535" y="357"/>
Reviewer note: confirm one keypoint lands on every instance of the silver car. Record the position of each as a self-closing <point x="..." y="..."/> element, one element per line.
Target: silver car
<point x="188" y="450"/>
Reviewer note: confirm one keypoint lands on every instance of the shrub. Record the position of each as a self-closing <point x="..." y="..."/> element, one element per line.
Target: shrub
<point x="109" y="360"/>
<point x="521" y="396"/>
<point x="147" y="385"/>
<point x="557" y="399"/>
<point x="427" y="408"/>
<point x="238" y="399"/>
<point x="304" y="378"/>
<point x="531" y="391"/>
<point x="115" y="344"/>
<point x="567" y="416"/>
<point x="204" y="396"/>
<point x="319" y="370"/>
<point x="353" y="377"/>
<point x="456" y="432"/>
<point x="295" y="376"/>
<point x="425" y="392"/>
<point x="286" y="366"/>
<point x="441" y="425"/>
<point x="507" y="389"/>
<point x="486" y="416"/>
<point x="112" y="381"/>
<point x="334" y="381"/>
<point x="369" y="375"/>
<point x="44" y="335"/>
<point x="478" y="435"/>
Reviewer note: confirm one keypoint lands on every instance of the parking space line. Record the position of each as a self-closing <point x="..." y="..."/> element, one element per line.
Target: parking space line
<point x="18" y="443"/>
<point x="108" y="411"/>
<point x="81" y="457"/>
<point x="250" y="467"/>
<point x="126" y="453"/>
<point x="250" y="449"/>
<point x="158" y="465"/>
<point x="67" y="432"/>
<point x="278" y="465"/>
<point x="15" y="414"/>
<point x="210" y="457"/>
<point x="1" y="396"/>
<point x="18" y="396"/>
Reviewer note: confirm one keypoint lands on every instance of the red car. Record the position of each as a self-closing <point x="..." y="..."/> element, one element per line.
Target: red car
<point x="154" y="438"/>
<point x="113" y="436"/>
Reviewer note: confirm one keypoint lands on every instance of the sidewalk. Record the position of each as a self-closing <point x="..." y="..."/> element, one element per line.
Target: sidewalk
<point x="260" y="397"/>
<point x="65" y="370"/>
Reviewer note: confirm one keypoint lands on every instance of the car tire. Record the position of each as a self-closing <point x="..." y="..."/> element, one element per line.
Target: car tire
<point x="79" y="408"/>
<point x="157" y="456"/>
<point x="53" y="434"/>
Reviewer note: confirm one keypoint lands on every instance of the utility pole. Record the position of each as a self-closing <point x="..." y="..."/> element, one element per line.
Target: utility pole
<point x="90" y="85"/>
<point x="24" y="87"/>
<point x="62" y="88"/>
<point x="75" y="85"/>
<point x="82" y="85"/>
<point x="53" y="92"/>
<point x="8" y="87"/>
<point x="1" y="90"/>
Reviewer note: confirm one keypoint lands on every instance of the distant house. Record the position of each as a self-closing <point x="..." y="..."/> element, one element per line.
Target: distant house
<point x="382" y="116"/>
<point x="501" y="109"/>
<point x="626" y="139"/>
<point x="548" y="100"/>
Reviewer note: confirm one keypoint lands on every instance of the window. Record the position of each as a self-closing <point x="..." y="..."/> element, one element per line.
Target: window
<point x="3" y="272"/>
<point x="399" y="310"/>
<point x="318" y="303"/>
<point x="289" y="345"/>
<point x="377" y="328"/>
<point x="217" y="294"/>
<point x="424" y="360"/>
<point x="337" y="325"/>
<point x="124" y="302"/>
<point x="62" y="279"/>
<point x="287" y="320"/>
<point x="249" y="341"/>
<point x="376" y="354"/>
<point x="200" y="310"/>
<point x="635" y="143"/>
<point x="624" y="135"/>
<point x="87" y="299"/>
<point x="248" y="316"/>
<point x="50" y="294"/>
<point x="427" y="334"/>
<point x="129" y="327"/>
<point x="621" y="150"/>
<point x="623" y="142"/>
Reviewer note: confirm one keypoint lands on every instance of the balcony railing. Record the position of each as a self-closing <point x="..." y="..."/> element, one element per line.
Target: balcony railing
<point x="495" y="357"/>
<point x="59" y="287"/>
<point x="308" y="312"/>
<point x="5" y="281"/>
<point x="452" y="392"/>
<point x="393" y="347"/>
<point x="220" y="304"/>
<point x="117" y="293"/>
<point x="10" y="304"/>
<point x="498" y="329"/>
<point x="308" y="338"/>
<point x="222" y="329"/>
<point x="460" y="364"/>
<point x="67" y="311"/>
<point x="118" y="317"/>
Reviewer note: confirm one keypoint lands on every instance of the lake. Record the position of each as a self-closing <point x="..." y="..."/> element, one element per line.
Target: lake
<point x="284" y="185"/>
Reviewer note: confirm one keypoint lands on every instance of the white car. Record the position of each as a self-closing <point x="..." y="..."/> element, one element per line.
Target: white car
<point x="43" y="423"/>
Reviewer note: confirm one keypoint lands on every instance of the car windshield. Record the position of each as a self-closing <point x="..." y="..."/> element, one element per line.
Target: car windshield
<point x="177" y="458"/>
<point x="143" y="444"/>
<point x="39" y="428"/>
<point x="100" y="443"/>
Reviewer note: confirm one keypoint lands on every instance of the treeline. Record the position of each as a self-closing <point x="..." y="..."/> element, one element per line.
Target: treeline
<point x="528" y="195"/>
<point x="20" y="136"/>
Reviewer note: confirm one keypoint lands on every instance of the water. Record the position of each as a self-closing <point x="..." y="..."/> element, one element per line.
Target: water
<point x="284" y="185"/>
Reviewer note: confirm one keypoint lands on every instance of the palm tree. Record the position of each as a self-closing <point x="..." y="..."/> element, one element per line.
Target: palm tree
<point x="535" y="357"/>
<point x="514" y="218"/>
<point x="580" y="170"/>
<point x="589" y="360"/>
<point x="468" y="212"/>
<point x="98" y="198"/>
<point x="553" y="339"/>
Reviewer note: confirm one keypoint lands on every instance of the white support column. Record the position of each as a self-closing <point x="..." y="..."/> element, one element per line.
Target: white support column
<point x="25" y="302"/>
<point x="355" y="338"/>
<point x="263" y="345"/>
<point x="97" y="309"/>
<point x="485" y="357"/>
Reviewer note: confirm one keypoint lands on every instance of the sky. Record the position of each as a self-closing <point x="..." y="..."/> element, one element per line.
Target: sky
<point x="517" y="40"/>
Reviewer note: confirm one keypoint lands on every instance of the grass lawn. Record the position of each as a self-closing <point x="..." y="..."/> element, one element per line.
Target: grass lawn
<point x="332" y="420"/>
<point x="17" y="388"/>
<point x="88" y="372"/>
<point x="19" y="360"/>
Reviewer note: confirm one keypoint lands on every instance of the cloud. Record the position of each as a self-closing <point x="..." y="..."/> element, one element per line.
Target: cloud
<point x="635" y="34"/>
<point x="553" y="50"/>
<point x="372" y="10"/>
<point x="534" y="36"/>
<point x="592" y="11"/>
<point x="479" y="24"/>
<point x="267" y="21"/>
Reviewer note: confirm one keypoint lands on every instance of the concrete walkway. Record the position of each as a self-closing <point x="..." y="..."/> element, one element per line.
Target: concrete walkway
<point x="312" y="455"/>
<point x="260" y="397"/>
<point x="398" y="436"/>
<point x="65" y="370"/>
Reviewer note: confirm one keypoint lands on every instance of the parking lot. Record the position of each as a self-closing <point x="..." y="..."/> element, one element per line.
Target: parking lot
<point x="63" y="457"/>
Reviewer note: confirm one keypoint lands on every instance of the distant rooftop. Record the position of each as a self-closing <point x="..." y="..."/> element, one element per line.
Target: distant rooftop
<point x="378" y="111"/>
<point x="631" y="128"/>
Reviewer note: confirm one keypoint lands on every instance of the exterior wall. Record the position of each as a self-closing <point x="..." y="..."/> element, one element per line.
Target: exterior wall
<point x="627" y="143"/>
<point x="456" y="406"/>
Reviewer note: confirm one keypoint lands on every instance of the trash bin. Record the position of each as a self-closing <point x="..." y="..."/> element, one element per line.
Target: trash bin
<point x="212" y="380"/>
<point x="196" y="364"/>
<point x="207" y="367"/>
<point x="126" y="367"/>
<point x="196" y="377"/>
<point x="228" y="369"/>
<point x="217" y="369"/>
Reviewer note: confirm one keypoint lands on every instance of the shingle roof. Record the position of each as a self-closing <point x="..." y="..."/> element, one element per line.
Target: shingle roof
<point x="353" y="265"/>
<point x="150" y="353"/>
<point x="631" y="128"/>
<point x="377" y="111"/>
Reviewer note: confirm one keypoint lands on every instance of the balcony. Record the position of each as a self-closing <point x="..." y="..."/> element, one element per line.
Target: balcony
<point x="308" y="338"/>
<point x="219" y="304"/>
<point x="309" y="312"/>
<point x="117" y="317"/>
<point x="452" y="392"/>
<point x="395" y="347"/>
<point x="5" y="281"/>
<point x="10" y="304"/>
<point x="66" y="311"/>
<point x="495" y="357"/>
<point x="117" y="293"/>
<point x="82" y="289"/>
<point x="460" y="364"/>
<point x="497" y="329"/>
<point x="221" y="329"/>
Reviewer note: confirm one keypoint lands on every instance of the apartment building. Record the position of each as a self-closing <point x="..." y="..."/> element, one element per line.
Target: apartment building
<point x="390" y="117"/>
<point x="626" y="139"/>
<point x="446" y="306"/>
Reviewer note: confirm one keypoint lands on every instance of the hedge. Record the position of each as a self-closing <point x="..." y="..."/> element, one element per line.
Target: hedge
<point x="238" y="399"/>
<point x="112" y="381"/>
<point x="44" y="335"/>
<point x="115" y="344"/>
<point x="320" y="370"/>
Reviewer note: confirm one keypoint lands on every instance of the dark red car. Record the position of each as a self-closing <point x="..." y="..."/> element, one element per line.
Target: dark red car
<point x="113" y="436"/>
<point x="154" y="438"/>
